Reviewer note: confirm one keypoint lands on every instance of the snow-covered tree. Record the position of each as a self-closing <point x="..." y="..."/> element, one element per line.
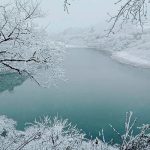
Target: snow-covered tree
<point x="134" y="11"/>
<point x="24" y="48"/>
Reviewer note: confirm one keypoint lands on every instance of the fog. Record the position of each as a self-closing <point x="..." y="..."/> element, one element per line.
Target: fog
<point x="82" y="13"/>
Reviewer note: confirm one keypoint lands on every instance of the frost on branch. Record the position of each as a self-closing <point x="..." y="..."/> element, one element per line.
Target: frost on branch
<point x="24" y="48"/>
<point x="132" y="141"/>
<point x="134" y="11"/>
<point x="46" y="134"/>
<point x="58" y="134"/>
<point x="66" y="4"/>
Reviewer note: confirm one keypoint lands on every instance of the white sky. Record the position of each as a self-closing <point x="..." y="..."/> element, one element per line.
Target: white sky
<point x="83" y="13"/>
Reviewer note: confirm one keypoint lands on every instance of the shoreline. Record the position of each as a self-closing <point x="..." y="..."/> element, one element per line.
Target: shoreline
<point x="123" y="57"/>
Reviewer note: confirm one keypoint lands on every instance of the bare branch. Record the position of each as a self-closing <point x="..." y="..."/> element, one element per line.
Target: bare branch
<point x="134" y="11"/>
<point x="66" y="4"/>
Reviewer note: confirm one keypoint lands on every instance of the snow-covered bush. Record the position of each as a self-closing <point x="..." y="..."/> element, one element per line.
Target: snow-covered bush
<point x="58" y="134"/>
<point x="47" y="134"/>
<point x="130" y="141"/>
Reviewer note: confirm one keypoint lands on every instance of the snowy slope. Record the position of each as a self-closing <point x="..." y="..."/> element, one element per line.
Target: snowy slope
<point x="137" y="52"/>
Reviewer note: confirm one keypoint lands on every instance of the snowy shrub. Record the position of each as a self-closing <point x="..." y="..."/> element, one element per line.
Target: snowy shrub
<point x="129" y="141"/>
<point x="58" y="134"/>
<point x="47" y="134"/>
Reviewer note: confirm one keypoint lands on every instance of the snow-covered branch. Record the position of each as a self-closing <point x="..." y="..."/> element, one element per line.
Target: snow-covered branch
<point x="66" y="5"/>
<point x="23" y="46"/>
<point x="58" y="134"/>
<point x="134" y="11"/>
<point x="46" y="134"/>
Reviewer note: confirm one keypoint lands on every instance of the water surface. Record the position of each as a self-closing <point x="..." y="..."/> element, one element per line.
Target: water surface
<point x="99" y="92"/>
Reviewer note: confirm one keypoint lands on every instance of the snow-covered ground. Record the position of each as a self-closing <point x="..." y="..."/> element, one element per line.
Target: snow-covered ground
<point x="130" y="45"/>
<point x="137" y="51"/>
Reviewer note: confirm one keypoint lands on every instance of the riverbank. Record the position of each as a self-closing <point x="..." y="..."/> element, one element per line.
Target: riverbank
<point x="132" y="48"/>
<point x="137" y="58"/>
<point x="131" y="45"/>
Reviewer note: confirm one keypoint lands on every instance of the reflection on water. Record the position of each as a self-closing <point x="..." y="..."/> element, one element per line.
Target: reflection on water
<point x="8" y="81"/>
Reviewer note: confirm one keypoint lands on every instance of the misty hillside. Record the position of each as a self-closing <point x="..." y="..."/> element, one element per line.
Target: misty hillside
<point x="130" y="45"/>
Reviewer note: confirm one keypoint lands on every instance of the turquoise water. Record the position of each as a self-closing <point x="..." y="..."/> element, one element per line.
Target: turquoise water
<point x="99" y="92"/>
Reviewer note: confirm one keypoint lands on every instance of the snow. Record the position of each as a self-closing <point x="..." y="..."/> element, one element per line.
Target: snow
<point x="46" y="134"/>
<point x="25" y="47"/>
<point x="133" y="57"/>
<point x="135" y="52"/>
<point x="130" y="45"/>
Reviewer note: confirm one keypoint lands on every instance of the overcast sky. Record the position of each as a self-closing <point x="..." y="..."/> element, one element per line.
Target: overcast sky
<point x="82" y="13"/>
